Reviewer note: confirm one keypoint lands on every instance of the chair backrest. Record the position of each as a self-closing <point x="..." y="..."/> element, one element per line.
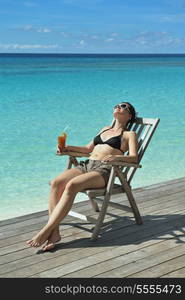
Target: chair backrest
<point x="144" y="129"/>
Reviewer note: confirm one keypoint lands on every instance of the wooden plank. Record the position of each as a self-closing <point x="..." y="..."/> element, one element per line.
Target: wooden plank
<point x="163" y="203"/>
<point x="127" y="270"/>
<point x="85" y="248"/>
<point x="139" y="194"/>
<point x="151" y="193"/>
<point x="158" y="211"/>
<point x="170" y="185"/>
<point x="34" y="215"/>
<point x="15" y="220"/>
<point x="32" y="224"/>
<point x="40" y="224"/>
<point x="35" y="218"/>
<point x="107" y="258"/>
<point x="122" y="255"/>
<point x="71" y="221"/>
<point x="179" y="273"/>
<point x="162" y="268"/>
<point x="146" y="210"/>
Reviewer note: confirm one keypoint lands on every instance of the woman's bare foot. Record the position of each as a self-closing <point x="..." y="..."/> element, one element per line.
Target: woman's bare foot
<point x="52" y="240"/>
<point x="39" y="239"/>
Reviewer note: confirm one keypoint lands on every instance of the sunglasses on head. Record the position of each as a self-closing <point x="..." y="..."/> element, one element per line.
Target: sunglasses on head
<point x="123" y="106"/>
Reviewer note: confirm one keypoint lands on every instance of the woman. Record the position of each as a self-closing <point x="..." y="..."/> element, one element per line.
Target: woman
<point x="109" y="145"/>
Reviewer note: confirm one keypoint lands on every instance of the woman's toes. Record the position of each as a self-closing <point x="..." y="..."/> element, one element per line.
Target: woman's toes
<point x="49" y="246"/>
<point x="32" y="243"/>
<point x="29" y="242"/>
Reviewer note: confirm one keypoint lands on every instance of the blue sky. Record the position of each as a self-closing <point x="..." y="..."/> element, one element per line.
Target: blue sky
<point x="92" y="26"/>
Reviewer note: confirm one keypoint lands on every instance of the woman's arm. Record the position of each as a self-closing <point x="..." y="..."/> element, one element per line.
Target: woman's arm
<point x="83" y="149"/>
<point x="132" y="149"/>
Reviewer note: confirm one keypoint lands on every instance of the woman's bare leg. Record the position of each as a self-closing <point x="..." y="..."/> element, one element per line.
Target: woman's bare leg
<point x="88" y="180"/>
<point x="57" y="189"/>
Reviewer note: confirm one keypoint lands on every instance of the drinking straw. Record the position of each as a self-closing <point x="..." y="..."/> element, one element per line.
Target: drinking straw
<point x="65" y="128"/>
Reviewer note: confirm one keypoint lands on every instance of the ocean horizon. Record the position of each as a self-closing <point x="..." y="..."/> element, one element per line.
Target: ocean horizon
<point x="41" y="94"/>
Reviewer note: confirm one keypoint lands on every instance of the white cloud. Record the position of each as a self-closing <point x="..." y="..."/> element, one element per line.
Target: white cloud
<point x="64" y="34"/>
<point x="95" y="37"/>
<point x="145" y="40"/>
<point x="27" y="46"/>
<point x="27" y="27"/>
<point x="44" y="30"/>
<point x="172" y="18"/>
<point x="82" y="42"/>
<point x="34" y="28"/>
<point x="109" y="40"/>
<point x="154" y="39"/>
<point x="114" y="34"/>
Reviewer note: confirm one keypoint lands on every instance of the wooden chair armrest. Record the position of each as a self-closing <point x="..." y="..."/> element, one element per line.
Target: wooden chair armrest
<point x="74" y="154"/>
<point x="123" y="164"/>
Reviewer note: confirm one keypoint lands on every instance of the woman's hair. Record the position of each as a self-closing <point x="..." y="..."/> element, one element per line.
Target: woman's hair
<point x="132" y="111"/>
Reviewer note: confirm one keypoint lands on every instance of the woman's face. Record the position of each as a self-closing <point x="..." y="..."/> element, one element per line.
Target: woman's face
<point x="122" y="109"/>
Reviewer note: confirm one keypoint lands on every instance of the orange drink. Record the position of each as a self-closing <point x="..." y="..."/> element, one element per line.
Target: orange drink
<point x="62" y="141"/>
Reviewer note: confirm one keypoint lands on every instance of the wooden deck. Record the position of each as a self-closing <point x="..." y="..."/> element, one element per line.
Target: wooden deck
<point x="154" y="249"/>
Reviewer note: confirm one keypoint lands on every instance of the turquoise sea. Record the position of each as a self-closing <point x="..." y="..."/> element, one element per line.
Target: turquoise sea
<point x="41" y="94"/>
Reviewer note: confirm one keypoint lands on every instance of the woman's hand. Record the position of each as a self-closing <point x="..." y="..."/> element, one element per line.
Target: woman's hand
<point x="65" y="149"/>
<point x="58" y="150"/>
<point x="108" y="158"/>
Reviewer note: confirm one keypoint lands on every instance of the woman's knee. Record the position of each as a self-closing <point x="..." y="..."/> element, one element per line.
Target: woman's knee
<point x="56" y="183"/>
<point x="72" y="186"/>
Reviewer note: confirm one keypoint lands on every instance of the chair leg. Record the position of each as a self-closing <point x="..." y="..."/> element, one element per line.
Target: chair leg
<point x="69" y="163"/>
<point x="130" y="197"/>
<point x="133" y="204"/>
<point x="94" y="205"/>
<point x="101" y="217"/>
<point x="71" y="160"/>
<point x="104" y="206"/>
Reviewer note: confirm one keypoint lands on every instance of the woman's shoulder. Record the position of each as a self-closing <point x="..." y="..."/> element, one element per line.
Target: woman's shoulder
<point x="128" y="134"/>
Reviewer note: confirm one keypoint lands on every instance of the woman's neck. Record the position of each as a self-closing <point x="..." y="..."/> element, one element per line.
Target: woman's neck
<point x="119" y="125"/>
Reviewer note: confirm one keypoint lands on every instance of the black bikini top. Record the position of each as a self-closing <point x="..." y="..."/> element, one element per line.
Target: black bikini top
<point x="114" y="142"/>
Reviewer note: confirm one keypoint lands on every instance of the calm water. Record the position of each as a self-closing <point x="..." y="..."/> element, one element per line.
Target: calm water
<point x="41" y="94"/>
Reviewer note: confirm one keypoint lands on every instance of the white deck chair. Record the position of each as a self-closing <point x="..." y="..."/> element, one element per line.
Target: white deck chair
<point x="145" y="129"/>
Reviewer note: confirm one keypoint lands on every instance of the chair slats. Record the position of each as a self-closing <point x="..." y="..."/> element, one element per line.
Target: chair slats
<point x="135" y="127"/>
<point x="139" y="131"/>
<point x="147" y="128"/>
